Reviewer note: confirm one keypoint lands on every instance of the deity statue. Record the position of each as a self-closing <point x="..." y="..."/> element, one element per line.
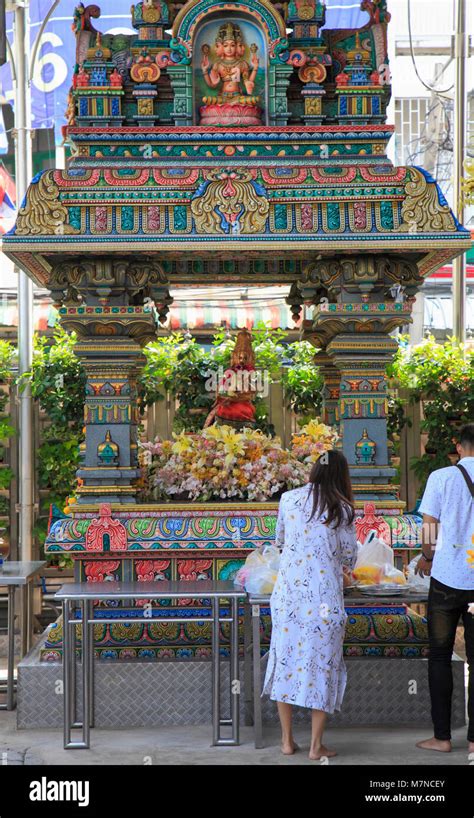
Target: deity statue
<point x="233" y="77"/>
<point x="235" y="396"/>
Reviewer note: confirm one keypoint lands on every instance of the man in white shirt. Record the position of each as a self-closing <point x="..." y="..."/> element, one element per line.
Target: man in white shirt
<point x="448" y="534"/>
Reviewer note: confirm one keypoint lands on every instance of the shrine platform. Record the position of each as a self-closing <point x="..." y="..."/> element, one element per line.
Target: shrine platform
<point x="134" y="694"/>
<point x="208" y="541"/>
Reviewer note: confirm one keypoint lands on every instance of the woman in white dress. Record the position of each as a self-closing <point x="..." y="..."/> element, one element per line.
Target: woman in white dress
<point x="305" y="664"/>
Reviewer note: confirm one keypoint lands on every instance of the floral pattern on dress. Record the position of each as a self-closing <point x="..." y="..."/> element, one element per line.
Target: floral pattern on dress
<point x="305" y="663"/>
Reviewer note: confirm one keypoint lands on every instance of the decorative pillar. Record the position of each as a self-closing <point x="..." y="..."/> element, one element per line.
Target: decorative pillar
<point x="362" y="410"/>
<point x="308" y="52"/>
<point x="113" y="305"/>
<point x="331" y="389"/>
<point x="279" y="78"/>
<point x="359" y="301"/>
<point x="181" y="83"/>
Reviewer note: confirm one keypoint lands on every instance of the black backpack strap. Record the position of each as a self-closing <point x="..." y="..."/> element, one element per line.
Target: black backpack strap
<point x="467" y="478"/>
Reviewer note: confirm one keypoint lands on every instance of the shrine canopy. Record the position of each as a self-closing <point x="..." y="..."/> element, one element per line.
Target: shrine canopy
<point x="233" y="141"/>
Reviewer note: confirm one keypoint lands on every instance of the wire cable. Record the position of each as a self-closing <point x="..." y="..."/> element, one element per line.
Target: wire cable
<point x="426" y="85"/>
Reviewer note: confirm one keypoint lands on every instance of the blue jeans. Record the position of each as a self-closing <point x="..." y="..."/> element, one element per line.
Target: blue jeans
<point x="445" y="607"/>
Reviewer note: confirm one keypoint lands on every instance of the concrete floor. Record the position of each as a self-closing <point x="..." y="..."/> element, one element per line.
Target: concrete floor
<point x="191" y="745"/>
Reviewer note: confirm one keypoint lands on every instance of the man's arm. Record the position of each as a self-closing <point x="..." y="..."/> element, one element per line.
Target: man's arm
<point x="429" y="535"/>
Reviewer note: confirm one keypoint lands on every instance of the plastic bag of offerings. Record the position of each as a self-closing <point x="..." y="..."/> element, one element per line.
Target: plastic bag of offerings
<point x="372" y="561"/>
<point x="415" y="582"/>
<point x="392" y="575"/>
<point x="258" y="574"/>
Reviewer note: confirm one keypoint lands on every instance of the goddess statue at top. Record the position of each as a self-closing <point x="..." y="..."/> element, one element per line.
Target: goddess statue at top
<point x="234" y="78"/>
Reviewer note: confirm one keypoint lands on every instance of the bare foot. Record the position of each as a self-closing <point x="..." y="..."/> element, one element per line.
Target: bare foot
<point x="470" y="747"/>
<point x="289" y="747"/>
<point x="435" y="744"/>
<point x="321" y="752"/>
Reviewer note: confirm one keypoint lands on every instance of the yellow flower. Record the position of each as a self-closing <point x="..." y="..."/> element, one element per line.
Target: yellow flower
<point x="183" y="443"/>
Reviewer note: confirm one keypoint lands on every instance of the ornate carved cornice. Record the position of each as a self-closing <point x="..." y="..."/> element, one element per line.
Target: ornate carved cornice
<point x="110" y="282"/>
<point x="42" y="212"/>
<point x="425" y="209"/>
<point x="329" y="278"/>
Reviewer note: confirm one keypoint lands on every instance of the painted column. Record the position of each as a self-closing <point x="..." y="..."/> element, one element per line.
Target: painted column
<point x="362" y="410"/>
<point x="110" y="304"/>
<point x="359" y="301"/>
<point x="331" y="389"/>
<point x="181" y="83"/>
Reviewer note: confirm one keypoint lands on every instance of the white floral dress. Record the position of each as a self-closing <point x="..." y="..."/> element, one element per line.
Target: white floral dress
<point x="305" y="663"/>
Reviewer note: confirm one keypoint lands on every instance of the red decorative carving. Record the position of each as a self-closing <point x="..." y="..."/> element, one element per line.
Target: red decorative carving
<point x="194" y="569"/>
<point x="101" y="218"/>
<point x="101" y="570"/>
<point x="81" y="79"/>
<point x="153" y="217"/>
<point x="374" y="78"/>
<point x="369" y="522"/>
<point x="360" y="215"/>
<point x="342" y="80"/>
<point x="115" y="79"/>
<point x="151" y="570"/>
<point x="106" y="534"/>
<point x="306" y="217"/>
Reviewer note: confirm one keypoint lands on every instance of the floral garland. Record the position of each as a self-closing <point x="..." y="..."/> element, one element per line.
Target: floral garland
<point x="221" y="463"/>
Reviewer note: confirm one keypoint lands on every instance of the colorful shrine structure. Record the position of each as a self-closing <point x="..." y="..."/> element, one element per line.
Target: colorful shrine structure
<point x="228" y="142"/>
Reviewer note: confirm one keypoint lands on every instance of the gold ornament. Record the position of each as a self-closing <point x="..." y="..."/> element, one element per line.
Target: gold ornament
<point x="422" y="211"/>
<point x="468" y="182"/>
<point x="151" y="13"/>
<point x="232" y="194"/>
<point x="312" y="73"/>
<point x="306" y="12"/>
<point x="43" y="213"/>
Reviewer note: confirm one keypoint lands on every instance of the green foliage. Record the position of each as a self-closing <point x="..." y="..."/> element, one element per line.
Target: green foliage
<point x="58" y="379"/>
<point x="303" y="381"/>
<point x="58" y="461"/>
<point x="269" y="350"/>
<point x="58" y="382"/>
<point x="441" y="376"/>
<point x="158" y="374"/>
<point x="223" y="344"/>
<point x="178" y="364"/>
<point x="6" y="476"/>
<point x="7" y="355"/>
<point x="6" y="429"/>
<point x="396" y="418"/>
<point x="58" y="458"/>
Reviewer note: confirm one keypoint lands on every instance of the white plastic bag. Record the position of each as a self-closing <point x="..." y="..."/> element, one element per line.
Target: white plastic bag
<point x="393" y="575"/>
<point x="258" y="574"/>
<point x="415" y="582"/>
<point x="372" y="559"/>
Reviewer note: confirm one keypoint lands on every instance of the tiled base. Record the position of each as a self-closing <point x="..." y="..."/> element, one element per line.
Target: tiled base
<point x="143" y="694"/>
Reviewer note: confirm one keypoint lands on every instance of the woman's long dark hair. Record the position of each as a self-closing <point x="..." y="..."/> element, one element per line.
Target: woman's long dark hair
<point x="331" y="489"/>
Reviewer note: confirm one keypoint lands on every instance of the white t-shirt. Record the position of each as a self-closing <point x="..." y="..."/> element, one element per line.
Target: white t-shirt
<point x="448" y="498"/>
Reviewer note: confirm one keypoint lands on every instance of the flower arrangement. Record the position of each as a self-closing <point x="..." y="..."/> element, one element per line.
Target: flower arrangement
<point x="313" y="439"/>
<point x="221" y="463"/>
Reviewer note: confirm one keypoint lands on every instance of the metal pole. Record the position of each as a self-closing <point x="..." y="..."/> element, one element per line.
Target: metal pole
<point x="86" y="673"/>
<point x="23" y="173"/>
<point x="459" y="263"/>
<point x="67" y="673"/>
<point x="216" y="676"/>
<point x="234" y="672"/>
<point x="11" y="648"/>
